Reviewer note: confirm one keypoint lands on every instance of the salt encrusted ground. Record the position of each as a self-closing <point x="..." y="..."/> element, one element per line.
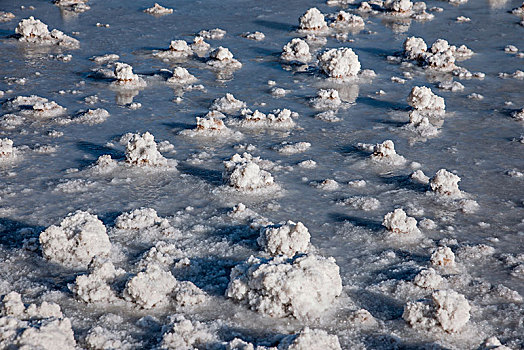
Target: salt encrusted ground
<point x="168" y="219"/>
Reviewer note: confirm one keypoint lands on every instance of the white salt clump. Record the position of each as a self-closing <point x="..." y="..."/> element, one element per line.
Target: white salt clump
<point x="278" y="92"/>
<point x="447" y="309"/>
<point x="492" y="343"/>
<point x="79" y="238"/>
<point x="183" y="334"/>
<point x="422" y="98"/>
<point x="125" y="76"/>
<point x="420" y="177"/>
<point x="519" y="11"/>
<point x="158" y="10"/>
<point x="99" y="338"/>
<point x="443" y="257"/>
<point x="151" y="287"/>
<point x="518" y="74"/>
<point x="313" y="19"/>
<point x="328" y="116"/>
<point x="94" y="287"/>
<point x="385" y="153"/>
<point x="309" y="339"/>
<point x="177" y="49"/>
<point x="518" y="115"/>
<point x="441" y="56"/>
<point x="35" y="107"/>
<point x="142" y="150"/>
<point x="415" y="48"/>
<point x="398" y="6"/>
<point x="308" y="164"/>
<point x="452" y="86"/>
<point x="77" y="6"/>
<point x="32" y="30"/>
<point x="339" y="63"/>
<point x="6" y="16"/>
<point x="199" y="45"/>
<point x="221" y="57"/>
<point x="344" y="20"/>
<point x="463" y="19"/>
<point x="211" y="125"/>
<point x="445" y="183"/>
<point x="292" y="148"/>
<point x="213" y="34"/>
<point x="144" y="220"/>
<point x="326" y="185"/>
<point x="12" y="305"/>
<point x="286" y="239"/>
<point x="227" y="104"/>
<point x="89" y="117"/>
<point x="303" y="287"/>
<point x="245" y="175"/>
<point x="399" y="223"/>
<point x="6" y="149"/>
<point x="475" y="96"/>
<point x="257" y="36"/>
<point x="362" y="203"/>
<point x="296" y="50"/>
<point x="326" y="99"/>
<point x="428" y="279"/>
<point x="357" y="183"/>
<point x="181" y="76"/>
<point x="277" y="119"/>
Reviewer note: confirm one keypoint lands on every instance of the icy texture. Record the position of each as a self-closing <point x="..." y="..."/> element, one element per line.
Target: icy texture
<point x="222" y="58"/>
<point x="95" y="287"/>
<point x="227" y="104"/>
<point x="296" y="50"/>
<point x="422" y="98"/>
<point x="277" y="119"/>
<point x="245" y="175"/>
<point x="398" y="222"/>
<point x="443" y="257"/>
<point x="125" y="76"/>
<point x="141" y="150"/>
<point x="313" y="19"/>
<point x="362" y="203"/>
<point x="428" y="278"/>
<point x="385" y="153"/>
<point x="339" y="63"/>
<point x="287" y="239"/>
<point x="184" y="334"/>
<point x="309" y="339"/>
<point x="151" y="287"/>
<point x="445" y="183"/>
<point x="158" y="10"/>
<point x="303" y="287"/>
<point x="79" y="238"/>
<point x="326" y="99"/>
<point x="181" y="76"/>
<point x="33" y="31"/>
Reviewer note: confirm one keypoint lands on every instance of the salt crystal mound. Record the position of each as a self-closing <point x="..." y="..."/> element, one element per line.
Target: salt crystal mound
<point x="327" y="99"/>
<point x="199" y="46"/>
<point x="292" y="148"/>
<point x="441" y="56"/>
<point x="182" y="334"/>
<point x="31" y="30"/>
<point x="34" y="107"/>
<point x="303" y="287"/>
<point x="257" y="36"/>
<point x="518" y="115"/>
<point x="211" y="125"/>
<point x="227" y="104"/>
<point x="6" y="16"/>
<point x="398" y="6"/>
<point x="297" y="50"/>
<point x="145" y="222"/>
<point x="76" y="6"/>
<point x="103" y="338"/>
<point x="243" y="174"/>
<point x="419" y="177"/>
<point x="89" y="117"/>
<point x="518" y="11"/>
<point x="33" y="327"/>
<point x="308" y="339"/>
<point x="7" y="151"/>
<point x="447" y="309"/>
<point x="141" y="150"/>
<point x="428" y="279"/>
<point x="125" y="78"/>
<point x="343" y="21"/>
<point x="312" y="20"/>
<point x="181" y="76"/>
<point x="277" y="119"/>
<point x="104" y="59"/>
<point x="222" y="58"/>
<point x="286" y="239"/>
<point x="443" y="258"/>
<point x="150" y="288"/>
<point x="445" y="183"/>
<point x="80" y="237"/>
<point x="422" y="98"/>
<point x="178" y="49"/>
<point x="158" y="10"/>
<point x="427" y="108"/>
<point x="95" y="287"/>
<point x="384" y="153"/>
<point x="341" y="63"/>
<point x="362" y="203"/>
<point x="213" y="34"/>
<point x="399" y="223"/>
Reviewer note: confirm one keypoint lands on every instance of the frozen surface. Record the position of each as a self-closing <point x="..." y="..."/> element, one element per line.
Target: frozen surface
<point x="368" y="155"/>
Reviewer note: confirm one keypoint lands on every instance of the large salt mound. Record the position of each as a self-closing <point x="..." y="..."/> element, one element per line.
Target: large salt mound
<point x="422" y="98"/>
<point x="243" y="174"/>
<point x="339" y="63"/>
<point x="150" y="287"/>
<point x="79" y="238"/>
<point x="182" y="334"/>
<point x="303" y="286"/>
<point x="222" y="58"/>
<point x="144" y="220"/>
<point x="141" y="150"/>
<point x="227" y="104"/>
<point x="277" y="119"/>
<point x="286" y="239"/>
<point x="125" y="78"/>
<point x="296" y="50"/>
<point x="385" y="153"/>
<point x="94" y="287"/>
<point x="177" y="49"/>
<point x="399" y="223"/>
<point x="445" y="183"/>
<point x="310" y="339"/>
<point x="312" y="20"/>
<point x="33" y="31"/>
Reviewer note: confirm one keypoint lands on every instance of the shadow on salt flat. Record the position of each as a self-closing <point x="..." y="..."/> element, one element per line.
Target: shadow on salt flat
<point x="13" y="233"/>
<point x="275" y="25"/>
<point x="388" y="341"/>
<point x="381" y="104"/>
<point x="371" y="225"/>
<point x="379" y="305"/>
<point x="213" y="177"/>
<point x="404" y="181"/>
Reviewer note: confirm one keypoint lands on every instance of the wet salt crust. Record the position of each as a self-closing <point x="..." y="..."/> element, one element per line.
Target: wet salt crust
<point x="351" y="181"/>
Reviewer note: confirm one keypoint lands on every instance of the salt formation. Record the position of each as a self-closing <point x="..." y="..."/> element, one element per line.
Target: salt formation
<point x="447" y="309"/>
<point x="326" y="185"/>
<point x="257" y="36"/>
<point x="441" y="56"/>
<point x="519" y="11"/>
<point x="6" y="16"/>
<point x="398" y="6"/>
<point x="77" y="6"/>
<point x="303" y="286"/>
<point x="6" y="149"/>
<point x="95" y="286"/>
<point x="177" y="49"/>
<point x="243" y="174"/>
<point x="213" y="34"/>
<point x="33" y="31"/>
<point x="286" y="239"/>
<point x="278" y="119"/>
<point x="296" y="50"/>
<point x="343" y="20"/>
<point x="186" y="334"/>
<point x="518" y="115"/>
<point x="151" y="287"/>
<point x="181" y="76"/>
<point x="107" y="58"/>
<point x="452" y="86"/>
<point x="35" y="107"/>
<point x="145" y="221"/>
<point x="362" y="203"/>
<point x="199" y="45"/>
<point x="227" y="104"/>
<point x="310" y="339"/>
<point x="443" y="257"/>
<point x="292" y="148"/>
<point x="428" y="279"/>
<point x="211" y="125"/>
<point x="222" y="58"/>
<point x="89" y="117"/>
<point x="125" y="78"/>
<point x="415" y="48"/>
<point x="421" y="98"/>
<point x="142" y="150"/>
<point x="326" y="99"/>
<point x="103" y="338"/>
<point x="399" y="223"/>
<point x="312" y="20"/>
<point x="80" y="237"/>
<point x="339" y="63"/>
<point x="445" y="183"/>
<point x="420" y="177"/>
<point x="385" y="153"/>
<point x="33" y="327"/>
<point x="158" y="10"/>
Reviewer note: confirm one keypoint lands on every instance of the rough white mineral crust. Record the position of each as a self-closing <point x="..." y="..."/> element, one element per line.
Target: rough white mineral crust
<point x="151" y="287"/>
<point x="199" y="45"/>
<point x="422" y="98"/>
<point x="313" y="19"/>
<point x="518" y="115"/>
<point x="309" y="339"/>
<point x="6" y="16"/>
<point x="385" y="153"/>
<point x="177" y="49"/>
<point x="292" y="148"/>
<point x="222" y="58"/>
<point x="89" y="117"/>
<point x="443" y="257"/>
<point x="35" y="107"/>
<point x="445" y="183"/>
<point x="79" y="238"/>
<point x="144" y="220"/>
<point x="183" y="334"/>
<point x="141" y="150"/>
<point x="326" y="99"/>
<point x="451" y="85"/>
<point x="77" y="6"/>
<point x="344" y="20"/>
<point x="257" y="36"/>
<point x="245" y="175"/>
<point x="339" y="63"/>
<point x="125" y="76"/>
<point x="519" y="11"/>
<point x="33" y="31"/>
<point x="286" y="239"/>
<point x="441" y="56"/>
<point x="296" y="50"/>
<point x="213" y="34"/>
<point x="420" y="177"/>
<point x="398" y="6"/>
<point x="277" y="119"/>
<point x="227" y="104"/>
<point x="181" y="76"/>
<point x="428" y="279"/>
<point x="398" y="222"/>
<point x="99" y="338"/>
<point x="6" y="149"/>
<point x="158" y="10"/>
<point x="362" y="203"/>
<point x="94" y="287"/>
<point x="303" y="287"/>
<point x="211" y="125"/>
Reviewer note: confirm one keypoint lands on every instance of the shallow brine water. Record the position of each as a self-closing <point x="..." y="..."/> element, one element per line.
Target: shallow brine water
<point x="177" y="273"/>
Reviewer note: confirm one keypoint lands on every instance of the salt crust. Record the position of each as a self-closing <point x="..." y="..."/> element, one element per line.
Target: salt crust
<point x="286" y="239"/>
<point x="77" y="6"/>
<point x="492" y="343"/>
<point x="341" y="63"/>
<point x="184" y="334"/>
<point x="125" y="78"/>
<point x="519" y="11"/>
<point x="34" y="107"/>
<point x="33" y="31"/>
<point x="518" y="115"/>
<point x="326" y="99"/>
<point x="343" y="20"/>
<point x="420" y="177"/>
<point x="441" y="56"/>
<point x="75" y="186"/>
<point x="308" y="164"/>
<point x="104" y="59"/>
<point x="428" y="279"/>
<point x="443" y="258"/>
<point x="423" y="99"/>
<point x="80" y="237"/>
<point x="277" y="119"/>
<point x="257" y="36"/>
<point x="362" y="203"/>
<point x="150" y="288"/>
<point x="33" y="327"/>
<point x="213" y="34"/>
<point x="95" y="286"/>
<point x="222" y="58"/>
<point x="518" y="74"/>
<point x="384" y="153"/>
<point x="211" y="125"/>
<point x="244" y="174"/>
<point x="199" y="45"/>
<point x="181" y="76"/>
<point x="158" y="10"/>
<point x="326" y="185"/>
<point x="312" y="20"/>
<point x="141" y="150"/>
<point x="89" y="117"/>
<point x="453" y="86"/>
<point x="292" y="148"/>
<point x="99" y="338"/>
<point x="6" y="16"/>
<point x="310" y="339"/>
<point x="398" y="222"/>
<point x="446" y="184"/>
<point x="296" y="50"/>
<point x="446" y="309"/>
<point x="177" y="49"/>
<point x="7" y="151"/>
<point x="144" y="220"/>
<point x="303" y="287"/>
<point x="227" y="104"/>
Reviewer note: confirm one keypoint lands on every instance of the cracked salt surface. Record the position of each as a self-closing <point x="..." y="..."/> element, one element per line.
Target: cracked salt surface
<point x="307" y="175"/>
